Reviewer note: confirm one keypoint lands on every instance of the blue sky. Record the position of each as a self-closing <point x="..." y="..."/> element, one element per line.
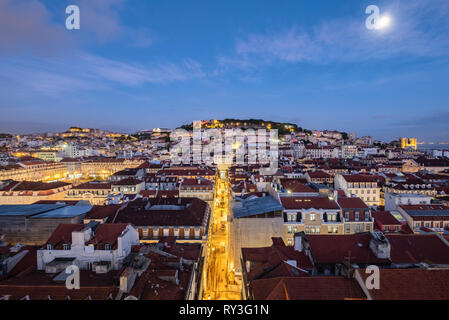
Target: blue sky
<point x="138" y="64"/>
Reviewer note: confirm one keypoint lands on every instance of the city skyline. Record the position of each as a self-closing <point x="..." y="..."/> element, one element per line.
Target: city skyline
<point x="136" y="65"/>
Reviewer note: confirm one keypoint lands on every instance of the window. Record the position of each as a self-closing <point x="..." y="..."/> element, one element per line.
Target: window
<point x="291" y="217"/>
<point x="347" y="216"/>
<point x="66" y="246"/>
<point x="289" y="241"/>
<point x="357" y="216"/>
<point x="289" y="229"/>
<point x="312" y="217"/>
<point x="107" y="247"/>
<point x="49" y="246"/>
<point x="332" y="229"/>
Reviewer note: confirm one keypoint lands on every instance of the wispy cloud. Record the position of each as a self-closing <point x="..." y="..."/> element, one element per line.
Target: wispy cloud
<point x="84" y="71"/>
<point x="40" y="55"/>
<point x="27" y="26"/>
<point x="347" y="39"/>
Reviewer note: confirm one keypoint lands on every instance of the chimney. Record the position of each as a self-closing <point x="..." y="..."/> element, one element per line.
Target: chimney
<point x="379" y="245"/>
<point x="127" y="280"/>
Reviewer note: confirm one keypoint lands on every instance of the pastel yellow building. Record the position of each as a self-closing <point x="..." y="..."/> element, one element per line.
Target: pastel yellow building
<point x="407" y="143"/>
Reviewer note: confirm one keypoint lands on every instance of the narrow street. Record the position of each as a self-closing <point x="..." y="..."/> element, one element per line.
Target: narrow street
<point x="219" y="282"/>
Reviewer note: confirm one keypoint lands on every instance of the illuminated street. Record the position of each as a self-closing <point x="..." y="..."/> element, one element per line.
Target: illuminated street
<point x="218" y="276"/>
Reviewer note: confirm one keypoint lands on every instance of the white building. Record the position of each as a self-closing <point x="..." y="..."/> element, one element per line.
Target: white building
<point x="90" y="247"/>
<point x="394" y="200"/>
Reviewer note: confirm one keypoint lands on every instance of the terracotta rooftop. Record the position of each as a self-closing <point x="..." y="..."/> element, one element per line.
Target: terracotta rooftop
<point x="385" y="218"/>
<point x="296" y="186"/>
<point x="306" y="288"/>
<point x="292" y="203"/>
<point x="127" y="182"/>
<point x="338" y="249"/>
<point x="93" y="186"/>
<point x="351" y="203"/>
<point x="359" y="178"/>
<point x="417" y="248"/>
<point x="269" y="262"/>
<point x="164" y="212"/>
<point x="101" y="212"/>
<point x="411" y="284"/>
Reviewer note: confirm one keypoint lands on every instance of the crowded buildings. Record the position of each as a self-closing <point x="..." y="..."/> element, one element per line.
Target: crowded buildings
<point x="141" y="226"/>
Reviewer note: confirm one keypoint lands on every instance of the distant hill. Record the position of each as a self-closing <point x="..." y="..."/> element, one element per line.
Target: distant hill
<point x="282" y="127"/>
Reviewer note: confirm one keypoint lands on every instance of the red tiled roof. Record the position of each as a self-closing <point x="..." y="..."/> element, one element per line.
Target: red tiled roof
<point x="319" y="175"/>
<point x="37" y="186"/>
<point x="191" y="213"/>
<point x="63" y="234"/>
<point x="40" y="286"/>
<point x="151" y="285"/>
<point x="196" y="182"/>
<point x="159" y="193"/>
<point x="127" y="182"/>
<point x="359" y="178"/>
<point x="296" y="186"/>
<point x="268" y="262"/>
<point x="292" y="203"/>
<point x="93" y="186"/>
<point x="336" y="249"/>
<point x="107" y="234"/>
<point x="306" y="288"/>
<point x="351" y="203"/>
<point x="385" y="218"/>
<point x="101" y="212"/>
<point x="417" y="248"/>
<point x="410" y="284"/>
<point x="424" y="207"/>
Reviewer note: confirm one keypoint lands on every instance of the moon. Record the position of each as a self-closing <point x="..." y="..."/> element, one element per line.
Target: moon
<point x="383" y="22"/>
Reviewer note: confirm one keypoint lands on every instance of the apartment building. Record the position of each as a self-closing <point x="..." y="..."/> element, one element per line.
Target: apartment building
<point x="356" y="214"/>
<point x="430" y="218"/>
<point x="365" y="187"/>
<point x="197" y="188"/>
<point x="312" y="215"/>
